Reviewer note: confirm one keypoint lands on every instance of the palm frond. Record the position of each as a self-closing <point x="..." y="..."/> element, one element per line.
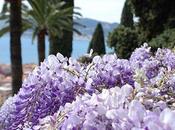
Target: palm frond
<point x="34" y="34"/>
<point x="38" y="9"/>
<point x="4" y="30"/>
<point x="5" y="8"/>
<point x="77" y="31"/>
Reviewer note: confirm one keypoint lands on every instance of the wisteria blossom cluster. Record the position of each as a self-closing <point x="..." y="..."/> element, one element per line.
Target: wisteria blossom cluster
<point x="113" y="109"/>
<point x="107" y="94"/>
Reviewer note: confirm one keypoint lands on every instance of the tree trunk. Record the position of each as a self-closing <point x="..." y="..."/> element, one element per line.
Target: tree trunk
<point x="54" y="45"/>
<point x="64" y="44"/>
<point x="15" y="44"/>
<point x="66" y="40"/>
<point x="41" y="46"/>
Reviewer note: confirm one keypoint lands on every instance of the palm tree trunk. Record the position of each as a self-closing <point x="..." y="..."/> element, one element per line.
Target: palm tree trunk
<point x="15" y="44"/>
<point x="41" y="46"/>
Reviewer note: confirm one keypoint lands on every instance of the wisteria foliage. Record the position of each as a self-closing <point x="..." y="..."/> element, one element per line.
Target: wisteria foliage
<point x="107" y="94"/>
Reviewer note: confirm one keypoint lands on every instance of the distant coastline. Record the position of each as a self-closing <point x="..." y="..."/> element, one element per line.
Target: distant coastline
<point x="80" y="42"/>
<point x="87" y="28"/>
<point x="82" y="37"/>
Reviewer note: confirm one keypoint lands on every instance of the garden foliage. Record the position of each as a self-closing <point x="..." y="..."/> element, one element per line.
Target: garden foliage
<point x="124" y="40"/>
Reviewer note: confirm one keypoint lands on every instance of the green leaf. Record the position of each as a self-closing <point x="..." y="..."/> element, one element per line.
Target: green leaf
<point x="4" y="30"/>
<point x="35" y="32"/>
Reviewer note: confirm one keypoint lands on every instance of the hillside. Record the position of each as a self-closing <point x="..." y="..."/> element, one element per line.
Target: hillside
<point x="87" y="30"/>
<point x="90" y="25"/>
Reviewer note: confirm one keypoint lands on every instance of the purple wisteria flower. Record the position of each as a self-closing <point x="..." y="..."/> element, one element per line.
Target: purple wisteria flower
<point x="111" y="72"/>
<point x="151" y="67"/>
<point x="46" y="88"/>
<point x="140" y="55"/>
<point x="5" y="111"/>
<point x="167" y="58"/>
<point x="65" y="94"/>
<point x="111" y="110"/>
<point x="58" y="80"/>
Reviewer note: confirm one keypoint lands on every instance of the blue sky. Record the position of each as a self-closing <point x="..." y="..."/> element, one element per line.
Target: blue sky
<point x="104" y="10"/>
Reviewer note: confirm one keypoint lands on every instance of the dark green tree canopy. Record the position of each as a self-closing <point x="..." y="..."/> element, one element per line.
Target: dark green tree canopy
<point x="64" y="44"/>
<point x="127" y="15"/>
<point x="98" y="43"/>
<point x="154" y="16"/>
<point x="44" y="18"/>
<point x="124" y="40"/>
<point x="164" y="40"/>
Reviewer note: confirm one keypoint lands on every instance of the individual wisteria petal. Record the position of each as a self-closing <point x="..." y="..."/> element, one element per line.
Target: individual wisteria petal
<point x="168" y="117"/>
<point x="136" y="113"/>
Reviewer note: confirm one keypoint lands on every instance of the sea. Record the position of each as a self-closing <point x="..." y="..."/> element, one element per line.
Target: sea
<point x="29" y="49"/>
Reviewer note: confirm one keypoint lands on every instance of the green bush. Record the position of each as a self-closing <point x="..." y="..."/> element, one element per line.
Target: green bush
<point x="124" y="40"/>
<point x="164" y="40"/>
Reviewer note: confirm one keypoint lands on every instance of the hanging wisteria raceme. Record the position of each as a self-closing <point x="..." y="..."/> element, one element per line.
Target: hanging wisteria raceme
<point x="140" y="55"/>
<point x="167" y="58"/>
<point x="145" y="84"/>
<point x="46" y="88"/>
<point x="110" y="71"/>
<point x="5" y="111"/>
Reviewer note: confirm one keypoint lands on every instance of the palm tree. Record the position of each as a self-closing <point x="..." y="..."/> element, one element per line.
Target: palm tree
<point x="48" y="18"/>
<point x="45" y="18"/>
<point x="15" y="44"/>
<point x="5" y="17"/>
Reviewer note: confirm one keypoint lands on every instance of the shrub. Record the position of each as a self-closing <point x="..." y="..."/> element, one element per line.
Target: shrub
<point x="124" y="40"/>
<point x="164" y="40"/>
